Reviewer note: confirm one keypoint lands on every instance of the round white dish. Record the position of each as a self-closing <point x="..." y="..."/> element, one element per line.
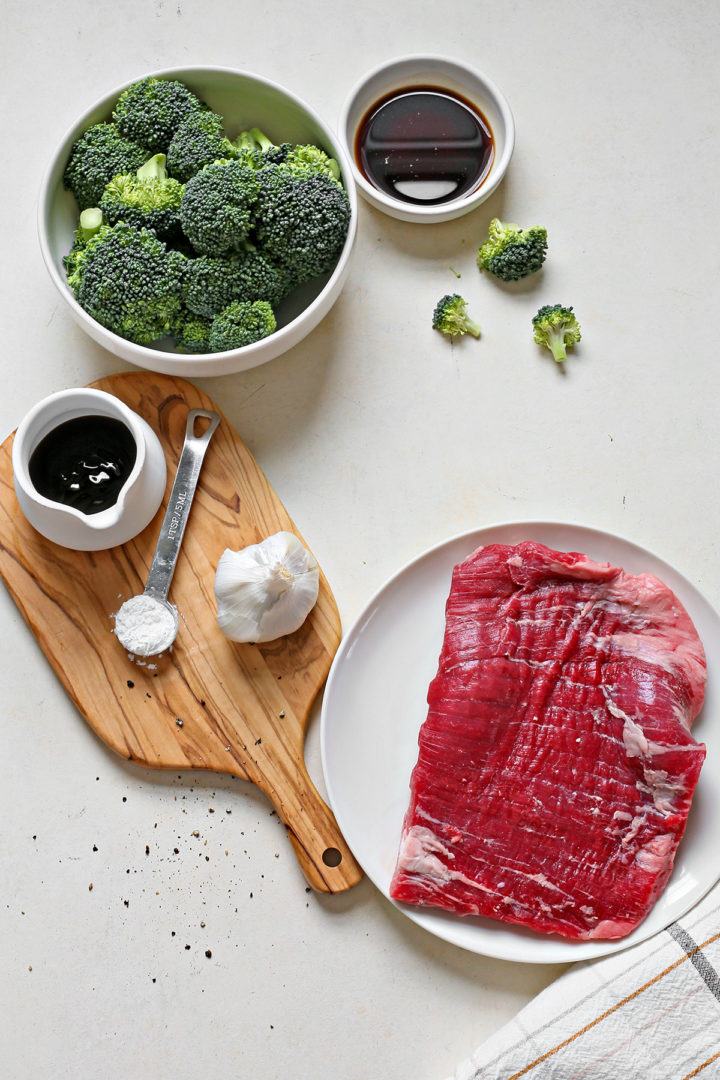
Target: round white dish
<point x="138" y="500"/>
<point x="244" y="100"/>
<point x="375" y="703"/>
<point x="448" y="74"/>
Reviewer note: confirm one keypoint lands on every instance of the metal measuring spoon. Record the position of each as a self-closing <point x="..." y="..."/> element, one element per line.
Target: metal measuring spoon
<point x="147" y="624"/>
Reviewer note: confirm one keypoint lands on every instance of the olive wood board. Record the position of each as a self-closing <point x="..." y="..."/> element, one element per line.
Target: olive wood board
<point x="209" y="703"/>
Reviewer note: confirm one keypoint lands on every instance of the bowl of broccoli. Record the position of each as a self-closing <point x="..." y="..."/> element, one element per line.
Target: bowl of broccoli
<point x="198" y="221"/>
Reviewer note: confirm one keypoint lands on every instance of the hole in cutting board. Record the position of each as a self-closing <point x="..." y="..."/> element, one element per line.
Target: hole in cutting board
<point x="331" y="856"/>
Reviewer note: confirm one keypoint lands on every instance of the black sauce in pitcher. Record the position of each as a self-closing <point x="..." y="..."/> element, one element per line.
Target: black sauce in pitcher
<point x="84" y="462"/>
<point x="424" y="145"/>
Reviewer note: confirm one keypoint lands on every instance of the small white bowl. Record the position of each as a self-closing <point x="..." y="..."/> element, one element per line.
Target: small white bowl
<point x="445" y="74"/>
<point x="244" y="100"/>
<point x="138" y="500"/>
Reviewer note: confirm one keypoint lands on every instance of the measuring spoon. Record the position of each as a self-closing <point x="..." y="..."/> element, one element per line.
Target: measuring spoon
<point x="147" y="624"/>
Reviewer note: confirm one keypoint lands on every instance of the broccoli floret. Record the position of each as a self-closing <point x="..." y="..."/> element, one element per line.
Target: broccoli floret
<point x="191" y="332"/>
<point x="148" y="198"/>
<point x="151" y="110"/>
<point x="311" y="159"/>
<point x="262" y="278"/>
<point x="450" y="317"/>
<point x="511" y="252"/>
<point x="100" y="153"/>
<point x="241" y="323"/>
<point x="301" y="221"/>
<point x="306" y="158"/>
<point x="557" y="328"/>
<point x="261" y="150"/>
<point x="217" y="207"/>
<point x="213" y="283"/>
<point x="128" y="281"/>
<point x="200" y="140"/>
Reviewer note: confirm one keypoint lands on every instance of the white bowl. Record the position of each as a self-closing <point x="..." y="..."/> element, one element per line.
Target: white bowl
<point x="446" y="74"/>
<point x="244" y="100"/>
<point x="137" y="502"/>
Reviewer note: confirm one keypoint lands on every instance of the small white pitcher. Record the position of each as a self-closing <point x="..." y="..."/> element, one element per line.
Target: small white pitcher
<point x="139" y="498"/>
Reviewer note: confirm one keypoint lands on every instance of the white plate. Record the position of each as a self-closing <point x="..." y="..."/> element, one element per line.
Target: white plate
<point x="375" y="702"/>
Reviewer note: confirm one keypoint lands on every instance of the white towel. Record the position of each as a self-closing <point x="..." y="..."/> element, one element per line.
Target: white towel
<point x="651" y="1012"/>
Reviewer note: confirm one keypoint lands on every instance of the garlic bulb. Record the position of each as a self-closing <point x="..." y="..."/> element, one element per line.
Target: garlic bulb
<point x="266" y="590"/>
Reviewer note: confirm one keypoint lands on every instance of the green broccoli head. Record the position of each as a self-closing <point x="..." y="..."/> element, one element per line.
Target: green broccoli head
<point x="241" y="323"/>
<point x="511" y="252"/>
<point x="217" y="207"/>
<point x="257" y="149"/>
<point x="213" y="283"/>
<point x="301" y="221"/>
<point x="148" y="198"/>
<point x="191" y="332"/>
<point x="310" y="159"/>
<point x="557" y="328"/>
<point x="450" y="317"/>
<point x="128" y="281"/>
<point x="151" y="110"/>
<point x="263" y="278"/>
<point x="96" y="157"/>
<point x="199" y="140"/>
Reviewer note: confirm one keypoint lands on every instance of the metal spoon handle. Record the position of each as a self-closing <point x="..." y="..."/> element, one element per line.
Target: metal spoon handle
<point x="178" y="508"/>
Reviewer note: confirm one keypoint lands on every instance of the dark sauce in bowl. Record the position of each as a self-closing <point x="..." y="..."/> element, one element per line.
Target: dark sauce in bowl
<point x="84" y="462"/>
<point x="424" y="145"/>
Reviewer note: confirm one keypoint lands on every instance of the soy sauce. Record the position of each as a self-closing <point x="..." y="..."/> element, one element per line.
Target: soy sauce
<point x="424" y="145"/>
<point x="84" y="462"/>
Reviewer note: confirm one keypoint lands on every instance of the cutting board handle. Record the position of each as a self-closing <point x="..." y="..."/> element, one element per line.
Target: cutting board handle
<point x="324" y="857"/>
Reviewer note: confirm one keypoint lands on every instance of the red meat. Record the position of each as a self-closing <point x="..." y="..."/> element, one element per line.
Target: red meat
<point x="556" y="765"/>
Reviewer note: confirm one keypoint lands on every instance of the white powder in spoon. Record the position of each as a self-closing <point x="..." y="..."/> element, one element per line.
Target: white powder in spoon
<point x="144" y="625"/>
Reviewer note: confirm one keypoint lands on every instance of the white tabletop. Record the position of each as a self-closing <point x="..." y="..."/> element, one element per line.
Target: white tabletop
<point x="381" y="438"/>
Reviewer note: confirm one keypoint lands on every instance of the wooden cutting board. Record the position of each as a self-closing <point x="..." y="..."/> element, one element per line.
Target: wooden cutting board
<point x="210" y="703"/>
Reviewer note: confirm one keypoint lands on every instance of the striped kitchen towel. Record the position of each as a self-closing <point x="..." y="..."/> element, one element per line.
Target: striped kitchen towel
<point x="651" y="1012"/>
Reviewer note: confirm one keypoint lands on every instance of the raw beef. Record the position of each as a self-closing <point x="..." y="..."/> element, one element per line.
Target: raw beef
<point x="556" y="765"/>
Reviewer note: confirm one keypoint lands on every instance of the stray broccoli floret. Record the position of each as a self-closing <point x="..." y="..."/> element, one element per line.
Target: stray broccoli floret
<point x="199" y="140"/>
<point x="128" y="281"/>
<point x="557" y="328"/>
<point x="217" y="208"/>
<point x="151" y="110"/>
<point x="191" y="332"/>
<point x="241" y="323"/>
<point x="510" y="252"/>
<point x="148" y="198"/>
<point x="301" y="221"/>
<point x="450" y="317"/>
<point x="100" y="153"/>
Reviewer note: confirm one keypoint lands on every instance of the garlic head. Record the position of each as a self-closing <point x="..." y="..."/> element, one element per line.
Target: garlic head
<point x="266" y="590"/>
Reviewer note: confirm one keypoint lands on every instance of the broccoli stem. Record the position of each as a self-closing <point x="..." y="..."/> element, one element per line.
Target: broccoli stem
<point x="153" y="169"/>
<point x="260" y="138"/>
<point x="556" y="343"/>
<point x="472" y="327"/>
<point x="90" y="221"/>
